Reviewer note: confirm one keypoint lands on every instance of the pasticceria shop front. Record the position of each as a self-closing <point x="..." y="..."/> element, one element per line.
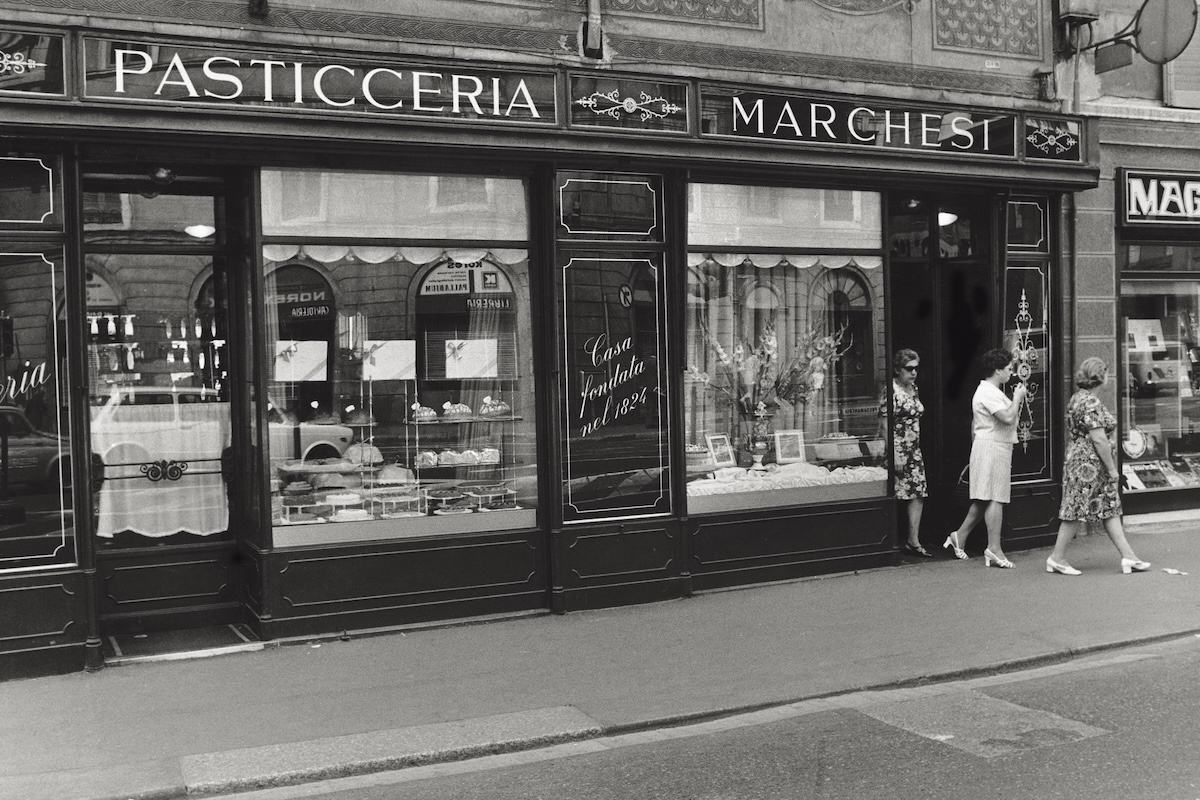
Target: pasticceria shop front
<point x="318" y="344"/>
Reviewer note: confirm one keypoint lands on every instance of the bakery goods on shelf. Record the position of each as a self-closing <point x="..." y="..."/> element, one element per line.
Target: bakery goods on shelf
<point x="343" y="498"/>
<point x="367" y="455"/>
<point x="494" y="408"/>
<point x="468" y="457"/>
<point x="456" y="411"/>
<point x="489" y="455"/>
<point x="449" y="458"/>
<point x="423" y="413"/>
<point x="426" y="458"/>
<point x="391" y="474"/>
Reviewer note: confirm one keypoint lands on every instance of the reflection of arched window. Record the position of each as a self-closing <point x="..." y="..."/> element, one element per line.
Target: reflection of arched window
<point x="762" y="302"/>
<point x="842" y="302"/>
<point x="466" y="319"/>
<point x="301" y="308"/>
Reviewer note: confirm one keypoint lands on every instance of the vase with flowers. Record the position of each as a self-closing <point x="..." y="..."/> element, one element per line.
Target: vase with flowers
<point x="756" y="378"/>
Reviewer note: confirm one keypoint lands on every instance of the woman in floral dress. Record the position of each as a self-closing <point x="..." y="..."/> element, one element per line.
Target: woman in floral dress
<point x="911" y="486"/>
<point x="1090" y="473"/>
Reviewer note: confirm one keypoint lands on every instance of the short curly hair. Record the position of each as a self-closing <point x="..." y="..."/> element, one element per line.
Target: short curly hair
<point x="1091" y="373"/>
<point x="902" y="357"/>
<point x="996" y="358"/>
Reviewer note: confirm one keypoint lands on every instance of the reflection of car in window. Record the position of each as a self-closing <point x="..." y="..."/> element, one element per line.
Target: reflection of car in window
<point x="35" y="458"/>
<point x="131" y="417"/>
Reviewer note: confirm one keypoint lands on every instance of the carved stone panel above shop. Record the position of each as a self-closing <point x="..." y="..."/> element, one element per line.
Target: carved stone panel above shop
<point x="1013" y="27"/>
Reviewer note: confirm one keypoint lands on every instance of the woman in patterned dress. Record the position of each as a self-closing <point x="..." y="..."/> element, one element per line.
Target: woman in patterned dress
<point x="911" y="487"/>
<point x="1090" y="473"/>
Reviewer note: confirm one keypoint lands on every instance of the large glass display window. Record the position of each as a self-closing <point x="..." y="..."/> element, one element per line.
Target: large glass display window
<point x="399" y="350"/>
<point x="36" y="518"/>
<point x="1160" y="382"/>
<point x="785" y="361"/>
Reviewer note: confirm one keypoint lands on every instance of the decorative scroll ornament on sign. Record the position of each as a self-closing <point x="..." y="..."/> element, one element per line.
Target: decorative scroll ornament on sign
<point x="613" y="105"/>
<point x="1051" y="141"/>
<point x="864" y="7"/>
<point x="1026" y="356"/>
<point x="17" y="63"/>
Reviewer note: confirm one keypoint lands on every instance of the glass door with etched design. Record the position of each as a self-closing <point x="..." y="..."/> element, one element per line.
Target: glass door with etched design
<point x="157" y="358"/>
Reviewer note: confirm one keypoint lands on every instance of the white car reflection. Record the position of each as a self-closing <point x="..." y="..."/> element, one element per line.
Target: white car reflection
<point x="131" y="422"/>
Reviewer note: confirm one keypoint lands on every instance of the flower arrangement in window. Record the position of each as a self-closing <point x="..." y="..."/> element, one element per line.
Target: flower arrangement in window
<point x="756" y="378"/>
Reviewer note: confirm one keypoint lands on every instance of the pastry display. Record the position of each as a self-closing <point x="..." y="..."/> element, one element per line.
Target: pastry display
<point x="460" y="507"/>
<point x="335" y="480"/>
<point x="456" y="410"/>
<point x="696" y="455"/>
<point x="343" y="498"/>
<point x="468" y="457"/>
<point x="506" y="504"/>
<point x="489" y="455"/>
<point x="426" y="458"/>
<point x="423" y="413"/>
<point x="296" y="488"/>
<point x="299" y="500"/>
<point x="448" y="458"/>
<point x="358" y="417"/>
<point x="393" y="474"/>
<point x="352" y="515"/>
<point x="443" y="494"/>
<point x="494" y="408"/>
<point x="364" y="454"/>
<point x="301" y="518"/>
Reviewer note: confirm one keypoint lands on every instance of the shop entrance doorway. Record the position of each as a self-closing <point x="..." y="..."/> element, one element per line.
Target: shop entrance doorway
<point x="164" y="393"/>
<point x="942" y="301"/>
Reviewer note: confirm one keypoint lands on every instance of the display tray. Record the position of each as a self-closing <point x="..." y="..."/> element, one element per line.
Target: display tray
<point x="339" y="465"/>
<point x="446" y="512"/>
<point x="443" y="494"/>
<point x="402" y="514"/>
<point x="457" y="420"/>
<point x="513" y="507"/>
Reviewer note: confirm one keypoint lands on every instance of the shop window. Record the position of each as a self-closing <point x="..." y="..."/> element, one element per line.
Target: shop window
<point x="1160" y="382"/>
<point x="36" y="517"/>
<point x="401" y="397"/>
<point x="362" y="207"/>
<point x="458" y="193"/>
<point x="782" y="369"/>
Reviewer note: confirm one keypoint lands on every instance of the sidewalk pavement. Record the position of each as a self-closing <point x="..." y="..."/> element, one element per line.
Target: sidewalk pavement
<point x="330" y="708"/>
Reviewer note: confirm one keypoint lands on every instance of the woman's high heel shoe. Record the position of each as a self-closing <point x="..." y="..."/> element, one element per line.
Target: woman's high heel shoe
<point x="990" y="558"/>
<point x="1129" y="565"/>
<point x="1062" y="569"/>
<point x="952" y="542"/>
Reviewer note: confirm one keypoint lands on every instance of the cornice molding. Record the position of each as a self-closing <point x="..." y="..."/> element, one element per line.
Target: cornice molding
<point x="634" y="51"/>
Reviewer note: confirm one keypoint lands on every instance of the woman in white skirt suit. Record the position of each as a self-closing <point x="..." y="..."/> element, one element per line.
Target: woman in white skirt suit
<point x="993" y="434"/>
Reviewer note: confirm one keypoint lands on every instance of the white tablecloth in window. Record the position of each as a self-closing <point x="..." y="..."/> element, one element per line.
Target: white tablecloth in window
<point x="162" y="475"/>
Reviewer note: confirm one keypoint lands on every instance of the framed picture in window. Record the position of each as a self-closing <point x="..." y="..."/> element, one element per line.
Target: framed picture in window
<point x="721" y="450"/>
<point x="789" y="446"/>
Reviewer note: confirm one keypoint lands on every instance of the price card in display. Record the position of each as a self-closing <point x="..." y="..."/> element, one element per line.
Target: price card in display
<point x="390" y="360"/>
<point x="471" y="358"/>
<point x="297" y="361"/>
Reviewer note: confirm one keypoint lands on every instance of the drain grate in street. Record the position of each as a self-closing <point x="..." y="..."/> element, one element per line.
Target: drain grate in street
<point x="979" y="724"/>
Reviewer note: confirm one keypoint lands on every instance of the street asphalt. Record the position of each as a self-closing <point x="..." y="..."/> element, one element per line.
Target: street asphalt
<point x="317" y="709"/>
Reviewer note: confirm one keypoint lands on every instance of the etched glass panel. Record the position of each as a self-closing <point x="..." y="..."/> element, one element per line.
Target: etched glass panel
<point x="36" y="511"/>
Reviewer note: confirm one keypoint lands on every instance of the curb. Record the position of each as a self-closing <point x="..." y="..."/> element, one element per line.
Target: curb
<point x="218" y="786"/>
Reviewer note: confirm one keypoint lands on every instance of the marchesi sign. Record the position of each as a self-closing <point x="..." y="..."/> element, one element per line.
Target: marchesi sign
<point x="199" y="75"/>
<point x="1160" y="198"/>
<point x="808" y="120"/>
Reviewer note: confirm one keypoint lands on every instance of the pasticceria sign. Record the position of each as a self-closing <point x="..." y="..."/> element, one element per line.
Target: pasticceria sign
<point x="200" y="75"/>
